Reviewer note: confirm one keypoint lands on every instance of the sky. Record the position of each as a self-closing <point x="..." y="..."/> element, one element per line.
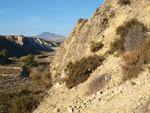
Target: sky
<point x="32" y="17"/>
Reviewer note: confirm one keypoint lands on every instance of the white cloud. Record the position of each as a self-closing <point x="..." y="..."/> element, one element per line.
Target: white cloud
<point x="34" y="19"/>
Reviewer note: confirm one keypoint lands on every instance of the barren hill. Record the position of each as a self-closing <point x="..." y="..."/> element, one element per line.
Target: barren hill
<point x="51" y="37"/>
<point x="21" y="45"/>
<point x="103" y="66"/>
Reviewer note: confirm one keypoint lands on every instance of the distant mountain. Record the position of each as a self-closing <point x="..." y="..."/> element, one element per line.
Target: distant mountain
<point x="51" y="37"/>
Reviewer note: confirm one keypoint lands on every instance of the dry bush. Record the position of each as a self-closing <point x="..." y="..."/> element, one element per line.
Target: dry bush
<point x="132" y="34"/>
<point x="131" y="71"/>
<point x="135" y="61"/>
<point x="41" y="75"/>
<point x="97" y="84"/>
<point x="96" y="46"/>
<point x="133" y="47"/>
<point x="124" y="2"/>
<point x="79" y="71"/>
<point x="117" y="46"/>
<point x="132" y="24"/>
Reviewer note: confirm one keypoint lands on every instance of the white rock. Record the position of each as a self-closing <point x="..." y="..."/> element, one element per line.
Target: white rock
<point x="56" y="110"/>
<point x="70" y="110"/>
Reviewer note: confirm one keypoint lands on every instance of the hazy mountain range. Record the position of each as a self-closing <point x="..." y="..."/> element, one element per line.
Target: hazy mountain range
<point x="51" y="37"/>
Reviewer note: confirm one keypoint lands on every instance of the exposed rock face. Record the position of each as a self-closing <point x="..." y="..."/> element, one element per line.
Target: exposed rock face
<point x="26" y="44"/>
<point x="101" y="27"/>
<point x="115" y="97"/>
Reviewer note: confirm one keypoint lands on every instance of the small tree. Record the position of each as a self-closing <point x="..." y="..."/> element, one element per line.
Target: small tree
<point x="29" y="61"/>
<point x="4" y="55"/>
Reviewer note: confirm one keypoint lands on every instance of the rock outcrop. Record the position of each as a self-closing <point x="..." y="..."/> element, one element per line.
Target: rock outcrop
<point x="115" y="95"/>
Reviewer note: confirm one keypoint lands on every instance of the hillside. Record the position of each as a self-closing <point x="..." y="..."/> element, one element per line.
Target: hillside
<point x="21" y="45"/>
<point x="51" y="37"/>
<point x="103" y="66"/>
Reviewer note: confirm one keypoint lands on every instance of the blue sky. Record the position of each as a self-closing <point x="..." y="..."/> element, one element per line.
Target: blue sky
<point x="31" y="17"/>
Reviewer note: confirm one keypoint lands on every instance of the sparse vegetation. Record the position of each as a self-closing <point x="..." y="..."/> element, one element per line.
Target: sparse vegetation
<point x="133" y="47"/>
<point x="41" y="75"/>
<point x="79" y="71"/>
<point x="135" y="61"/>
<point x="23" y="102"/>
<point x="4" y="55"/>
<point x="29" y="62"/>
<point x="132" y="24"/>
<point x="124" y="2"/>
<point x="129" y="39"/>
<point x="96" y="46"/>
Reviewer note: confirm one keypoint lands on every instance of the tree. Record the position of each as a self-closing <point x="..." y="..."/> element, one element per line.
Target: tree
<point x="4" y="55"/>
<point x="29" y="61"/>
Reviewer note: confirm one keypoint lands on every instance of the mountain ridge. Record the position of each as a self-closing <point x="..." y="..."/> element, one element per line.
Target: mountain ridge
<point x="51" y="37"/>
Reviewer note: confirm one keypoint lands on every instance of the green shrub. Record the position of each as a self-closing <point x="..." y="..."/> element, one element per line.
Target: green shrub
<point x="124" y="2"/>
<point x="79" y="71"/>
<point x="29" y="61"/>
<point x="96" y="46"/>
<point x="4" y="55"/>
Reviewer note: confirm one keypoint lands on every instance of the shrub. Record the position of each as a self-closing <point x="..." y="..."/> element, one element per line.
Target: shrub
<point x="136" y="60"/>
<point x="4" y="55"/>
<point x="29" y="61"/>
<point x="96" y="46"/>
<point x="124" y="29"/>
<point x="124" y="2"/>
<point x="41" y="75"/>
<point x="117" y="46"/>
<point x="133" y="47"/>
<point x="132" y="34"/>
<point x="79" y="71"/>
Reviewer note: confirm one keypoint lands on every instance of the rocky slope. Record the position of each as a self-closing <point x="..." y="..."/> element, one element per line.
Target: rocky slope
<point x="113" y="95"/>
<point x="20" y="45"/>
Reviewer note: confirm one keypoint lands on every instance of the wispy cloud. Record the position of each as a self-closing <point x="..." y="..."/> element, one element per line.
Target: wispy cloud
<point x="2" y="11"/>
<point x="34" y="19"/>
